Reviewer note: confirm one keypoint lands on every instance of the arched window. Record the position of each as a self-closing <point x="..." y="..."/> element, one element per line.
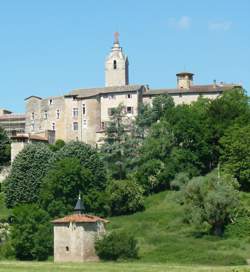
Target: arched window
<point x="114" y="64"/>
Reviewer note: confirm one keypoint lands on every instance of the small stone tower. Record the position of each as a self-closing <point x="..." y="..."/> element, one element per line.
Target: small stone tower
<point x="116" y="66"/>
<point x="75" y="235"/>
<point x="184" y="80"/>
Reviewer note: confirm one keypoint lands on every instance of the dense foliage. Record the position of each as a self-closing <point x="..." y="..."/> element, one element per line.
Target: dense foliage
<point x="117" y="245"/>
<point x="211" y="202"/>
<point x="235" y="154"/>
<point x="124" y="197"/>
<point x="4" y="148"/>
<point x="75" y="168"/>
<point x="31" y="233"/>
<point x="27" y="172"/>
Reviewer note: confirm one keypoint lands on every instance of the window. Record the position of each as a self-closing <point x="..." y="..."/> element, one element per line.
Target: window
<point x="84" y="123"/>
<point x="129" y="95"/>
<point x="75" y="112"/>
<point x="51" y="102"/>
<point x="53" y="126"/>
<point x="83" y="109"/>
<point x="114" y="64"/>
<point x="130" y="110"/>
<point x="33" y="116"/>
<point x="111" y="96"/>
<point x="45" y="115"/>
<point x="67" y="248"/>
<point x="111" y="111"/>
<point x="102" y="125"/>
<point x="75" y="126"/>
<point x="32" y="127"/>
<point x="57" y="114"/>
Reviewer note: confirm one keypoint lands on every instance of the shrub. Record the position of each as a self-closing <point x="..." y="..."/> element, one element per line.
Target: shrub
<point x="125" y="197"/>
<point x="31" y="233"/>
<point x="117" y="245"/>
<point x="150" y="176"/>
<point x="28" y="169"/>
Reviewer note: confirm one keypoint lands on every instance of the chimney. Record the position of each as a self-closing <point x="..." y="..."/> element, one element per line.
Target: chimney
<point x="214" y="83"/>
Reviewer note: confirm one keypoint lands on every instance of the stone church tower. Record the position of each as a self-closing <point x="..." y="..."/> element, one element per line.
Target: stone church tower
<point x="116" y="66"/>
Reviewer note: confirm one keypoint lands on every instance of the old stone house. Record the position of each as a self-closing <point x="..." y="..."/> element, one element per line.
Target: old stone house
<point x="75" y="236"/>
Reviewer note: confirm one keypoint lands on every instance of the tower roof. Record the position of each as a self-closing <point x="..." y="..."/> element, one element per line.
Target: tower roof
<point x="184" y="74"/>
<point x="79" y="207"/>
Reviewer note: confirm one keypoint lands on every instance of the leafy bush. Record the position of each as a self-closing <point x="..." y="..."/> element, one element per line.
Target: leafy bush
<point x="117" y="245"/>
<point x="31" y="233"/>
<point x="57" y="145"/>
<point x="150" y="176"/>
<point x="240" y="228"/>
<point x="6" y="250"/>
<point x="28" y="169"/>
<point x="125" y="197"/>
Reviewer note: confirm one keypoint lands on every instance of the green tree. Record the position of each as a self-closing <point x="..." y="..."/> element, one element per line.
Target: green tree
<point x="148" y="115"/>
<point x="28" y="170"/>
<point x="76" y="168"/>
<point x="4" y="148"/>
<point x="115" y="149"/>
<point x="124" y="197"/>
<point x="231" y="108"/>
<point x="211" y="202"/>
<point x="31" y="233"/>
<point x="235" y="154"/>
<point x="62" y="184"/>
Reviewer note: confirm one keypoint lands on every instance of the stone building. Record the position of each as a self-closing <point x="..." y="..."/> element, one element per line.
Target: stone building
<point x="75" y="236"/>
<point x="82" y="114"/>
<point x="12" y="123"/>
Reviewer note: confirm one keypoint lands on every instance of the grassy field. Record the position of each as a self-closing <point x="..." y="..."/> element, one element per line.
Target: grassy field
<point x="166" y="243"/>
<point x="163" y="236"/>
<point x="110" y="267"/>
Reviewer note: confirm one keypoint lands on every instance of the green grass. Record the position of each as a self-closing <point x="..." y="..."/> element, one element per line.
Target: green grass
<point x="166" y="243"/>
<point x="164" y="237"/>
<point x="110" y="267"/>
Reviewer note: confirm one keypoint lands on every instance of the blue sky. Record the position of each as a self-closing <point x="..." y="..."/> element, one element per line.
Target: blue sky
<point x="50" y="47"/>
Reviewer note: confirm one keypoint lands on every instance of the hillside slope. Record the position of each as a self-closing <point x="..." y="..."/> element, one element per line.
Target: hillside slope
<point x="164" y="237"/>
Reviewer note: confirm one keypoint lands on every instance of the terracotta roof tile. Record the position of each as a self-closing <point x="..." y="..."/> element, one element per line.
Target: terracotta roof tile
<point x="80" y="218"/>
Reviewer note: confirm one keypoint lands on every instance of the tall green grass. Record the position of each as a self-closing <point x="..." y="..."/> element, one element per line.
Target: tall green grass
<point x="164" y="237"/>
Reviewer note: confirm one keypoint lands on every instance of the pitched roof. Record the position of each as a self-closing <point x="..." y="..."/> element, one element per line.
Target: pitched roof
<point x="79" y="218"/>
<point x="197" y="89"/>
<point x="82" y="93"/>
<point x="31" y="137"/>
<point x="12" y="117"/>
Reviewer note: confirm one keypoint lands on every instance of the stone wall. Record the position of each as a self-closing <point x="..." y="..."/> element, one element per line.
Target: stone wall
<point x="74" y="242"/>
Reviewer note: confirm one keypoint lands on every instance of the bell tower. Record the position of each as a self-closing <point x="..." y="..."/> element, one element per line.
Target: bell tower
<point x="116" y="65"/>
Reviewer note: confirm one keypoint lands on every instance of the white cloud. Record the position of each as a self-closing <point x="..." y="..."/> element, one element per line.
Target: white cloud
<point x="182" y="23"/>
<point x="220" y="25"/>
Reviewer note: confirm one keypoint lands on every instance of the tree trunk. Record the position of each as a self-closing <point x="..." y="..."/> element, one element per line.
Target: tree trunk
<point x="218" y="230"/>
